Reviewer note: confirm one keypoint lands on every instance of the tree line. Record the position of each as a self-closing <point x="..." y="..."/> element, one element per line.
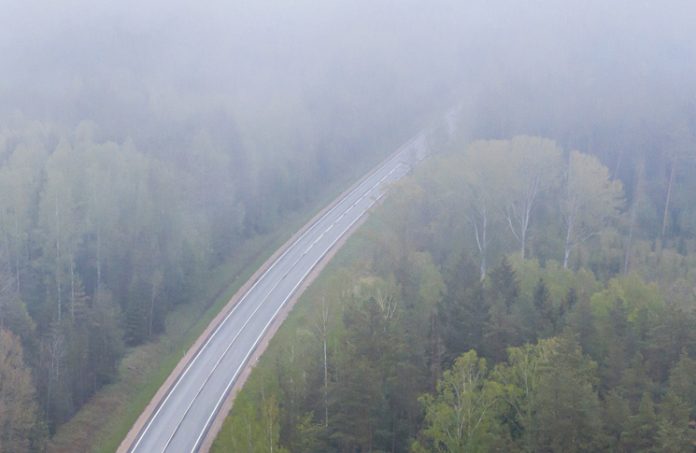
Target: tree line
<point x="221" y="137"/>
<point x="100" y="239"/>
<point x="487" y="307"/>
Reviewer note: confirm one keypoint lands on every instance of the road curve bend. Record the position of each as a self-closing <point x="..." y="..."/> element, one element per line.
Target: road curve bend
<point x="184" y="415"/>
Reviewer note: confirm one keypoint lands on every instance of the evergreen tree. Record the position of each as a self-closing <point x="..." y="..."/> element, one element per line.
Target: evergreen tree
<point x="674" y="435"/>
<point x="545" y="318"/>
<point x="19" y="416"/>
<point x="641" y="432"/>
<point x="503" y="284"/>
<point x="477" y="313"/>
<point x="682" y="383"/>
<point x="567" y="407"/>
<point x="615" y="418"/>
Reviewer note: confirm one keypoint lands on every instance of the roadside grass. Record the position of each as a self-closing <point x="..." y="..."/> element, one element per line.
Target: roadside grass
<point x="105" y="420"/>
<point x="172" y="347"/>
<point x="293" y="331"/>
<point x="102" y="423"/>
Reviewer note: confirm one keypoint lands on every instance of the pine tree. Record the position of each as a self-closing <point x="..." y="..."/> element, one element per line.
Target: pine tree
<point x="674" y="435"/>
<point x="18" y="407"/>
<point x="544" y="310"/>
<point x="641" y="433"/>
<point x="615" y="418"/>
<point x="503" y="284"/>
<point x="683" y="384"/>
<point x="567" y="407"/>
<point x="477" y="315"/>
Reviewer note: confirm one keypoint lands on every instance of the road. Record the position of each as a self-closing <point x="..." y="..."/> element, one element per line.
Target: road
<point x="182" y="420"/>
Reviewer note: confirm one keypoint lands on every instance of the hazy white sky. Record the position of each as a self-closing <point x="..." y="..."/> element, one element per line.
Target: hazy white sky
<point x="55" y="52"/>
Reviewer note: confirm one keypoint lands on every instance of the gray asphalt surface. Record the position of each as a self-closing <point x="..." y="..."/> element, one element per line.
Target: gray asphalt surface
<point x="182" y="420"/>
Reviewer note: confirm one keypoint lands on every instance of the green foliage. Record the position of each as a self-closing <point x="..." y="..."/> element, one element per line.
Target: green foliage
<point x="19" y="412"/>
<point x="462" y="415"/>
<point x="640" y="298"/>
<point x="256" y="429"/>
<point x="100" y="238"/>
<point x="682" y="384"/>
<point x="641" y="430"/>
<point x="504" y="285"/>
<point x="674" y="434"/>
<point x="580" y="360"/>
<point x="542" y="399"/>
<point x="567" y="406"/>
<point x="615" y="415"/>
<point x="592" y="200"/>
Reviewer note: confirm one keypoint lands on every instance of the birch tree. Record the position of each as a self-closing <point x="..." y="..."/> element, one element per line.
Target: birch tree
<point x="591" y="201"/>
<point x="19" y="183"/>
<point x="106" y="179"/>
<point x="462" y="416"/>
<point x="519" y="378"/>
<point x="532" y="166"/>
<point x="60" y="218"/>
<point x="481" y="174"/>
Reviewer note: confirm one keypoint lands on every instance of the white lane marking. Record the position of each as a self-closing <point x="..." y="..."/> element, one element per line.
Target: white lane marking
<point x="222" y="356"/>
<point x="234" y="339"/>
<point x="223" y="322"/>
<point x="238" y="304"/>
<point x="200" y="351"/>
<point x="367" y="192"/>
<point x="217" y="363"/>
<point x="263" y="331"/>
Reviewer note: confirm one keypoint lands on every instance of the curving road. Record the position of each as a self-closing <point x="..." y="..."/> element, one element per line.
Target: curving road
<point x="182" y="420"/>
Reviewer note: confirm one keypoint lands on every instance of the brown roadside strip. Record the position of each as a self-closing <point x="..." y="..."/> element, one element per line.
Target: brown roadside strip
<point x="193" y="350"/>
<point x="219" y="419"/>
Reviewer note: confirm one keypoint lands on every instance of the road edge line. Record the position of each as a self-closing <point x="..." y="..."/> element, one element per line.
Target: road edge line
<point x="171" y="380"/>
<point x="226" y="407"/>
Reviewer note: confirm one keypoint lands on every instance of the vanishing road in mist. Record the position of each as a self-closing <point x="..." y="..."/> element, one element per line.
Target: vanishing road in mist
<point x="182" y="420"/>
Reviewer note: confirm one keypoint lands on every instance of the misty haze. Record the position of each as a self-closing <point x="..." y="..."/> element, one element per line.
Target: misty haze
<point x="348" y="226"/>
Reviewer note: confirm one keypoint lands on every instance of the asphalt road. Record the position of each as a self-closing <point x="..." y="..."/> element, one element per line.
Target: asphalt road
<point x="182" y="420"/>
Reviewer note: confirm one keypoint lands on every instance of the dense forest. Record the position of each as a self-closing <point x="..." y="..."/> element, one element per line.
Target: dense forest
<point x="504" y="298"/>
<point x="115" y="207"/>
<point x="99" y="239"/>
<point x="531" y="288"/>
<point x="141" y="145"/>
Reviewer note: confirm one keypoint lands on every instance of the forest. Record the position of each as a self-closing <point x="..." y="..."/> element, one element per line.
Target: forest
<point x="144" y="147"/>
<point x="504" y="298"/>
<point x="100" y="239"/>
<point x="106" y="226"/>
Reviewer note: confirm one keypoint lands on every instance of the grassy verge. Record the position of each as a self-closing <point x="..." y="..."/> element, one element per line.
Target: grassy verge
<point x="293" y="331"/>
<point x="102" y="423"/>
<point x="169" y="349"/>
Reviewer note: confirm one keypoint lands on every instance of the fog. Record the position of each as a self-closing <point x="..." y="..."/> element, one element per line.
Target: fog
<point x="121" y="63"/>
<point x="145" y="144"/>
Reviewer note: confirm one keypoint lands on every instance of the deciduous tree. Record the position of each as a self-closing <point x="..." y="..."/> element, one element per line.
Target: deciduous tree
<point x="462" y="415"/>
<point x="531" y="166"/>
<point x="18" y="407"/>
<point x="591" y="200"/>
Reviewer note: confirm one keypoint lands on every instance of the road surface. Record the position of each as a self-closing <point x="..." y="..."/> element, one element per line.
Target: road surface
<point x="182" y="420"/>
